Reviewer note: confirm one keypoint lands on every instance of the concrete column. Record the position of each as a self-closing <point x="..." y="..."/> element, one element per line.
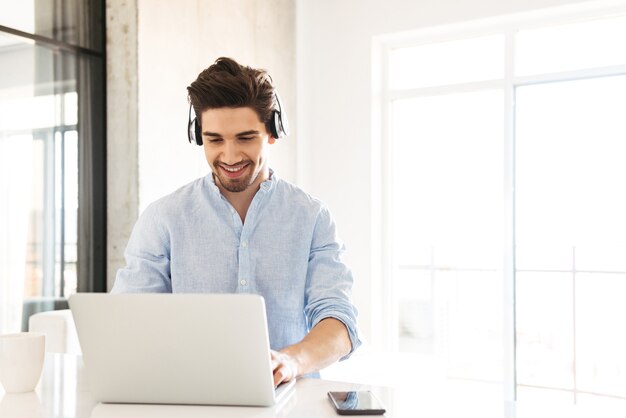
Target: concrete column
<point x="122" y="130"/>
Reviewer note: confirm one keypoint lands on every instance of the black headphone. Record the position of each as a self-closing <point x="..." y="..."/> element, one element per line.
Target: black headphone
<point x="278" y="125"/>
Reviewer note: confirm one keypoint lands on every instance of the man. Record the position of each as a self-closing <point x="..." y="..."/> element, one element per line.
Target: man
<point x="241" y="229"/>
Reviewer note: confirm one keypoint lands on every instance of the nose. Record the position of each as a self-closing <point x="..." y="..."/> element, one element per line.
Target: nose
<point x="230" y="153"/>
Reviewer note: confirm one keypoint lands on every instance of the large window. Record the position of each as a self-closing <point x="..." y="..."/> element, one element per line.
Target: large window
<point x="504" y="177"/>
<point x="52" y="155"/>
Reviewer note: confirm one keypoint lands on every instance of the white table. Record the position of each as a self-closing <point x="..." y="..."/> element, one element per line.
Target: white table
<point x="63" y="392"/>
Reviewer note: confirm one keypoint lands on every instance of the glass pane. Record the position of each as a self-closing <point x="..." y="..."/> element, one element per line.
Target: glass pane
<point x="601" y="258"/>
<point x="461" y="61"/>
<point x="468" y="323"/>
<point x="545" y="330"/>
<point x="59" y="236"/>
<point x="62" y="20"/>
<point x="570" y="152"/>
<point x="36" y="86"/>
<point x="570" y="148"/>
<point x="70" y="213"/>
<point x="447" y="177"/>
<point x="540" y="397"/>
<point x="415" y="310"/>
<point x="600" y="333"/>
<point x="595" y="43"/>
<point x="604" y="406"/>
<point x="15" y="170"/>
<point x="413" y="255"/>
<point x="70" y="108"/>
<point x="447" y="209"/>
<point x="538" y="256"/>
<point x="486" y="256"/>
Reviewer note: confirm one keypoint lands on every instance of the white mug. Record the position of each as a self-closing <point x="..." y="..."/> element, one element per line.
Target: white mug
<point x="21" y="361"/>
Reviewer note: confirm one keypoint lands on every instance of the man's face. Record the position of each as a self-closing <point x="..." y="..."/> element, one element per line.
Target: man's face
<point x="236" y="145"/>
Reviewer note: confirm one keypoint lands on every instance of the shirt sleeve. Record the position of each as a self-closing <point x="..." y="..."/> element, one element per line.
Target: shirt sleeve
<point x="329" y="280"/>
<point x="147" y="258"/>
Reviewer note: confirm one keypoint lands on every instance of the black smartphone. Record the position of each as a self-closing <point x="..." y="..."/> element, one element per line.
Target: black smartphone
<point x="356" y="403"/>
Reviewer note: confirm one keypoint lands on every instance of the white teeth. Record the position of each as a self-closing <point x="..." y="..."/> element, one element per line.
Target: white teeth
<point x="232" y="170"/>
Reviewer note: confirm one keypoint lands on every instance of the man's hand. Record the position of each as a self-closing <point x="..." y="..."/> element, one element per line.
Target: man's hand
<point x="284" y="366"/>
<point x="325" y="344"/>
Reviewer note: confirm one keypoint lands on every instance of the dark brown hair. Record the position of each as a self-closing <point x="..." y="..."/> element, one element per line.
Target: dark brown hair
<point x="229" y="84"/>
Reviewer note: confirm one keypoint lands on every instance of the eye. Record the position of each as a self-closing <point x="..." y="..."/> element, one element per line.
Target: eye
<point x="246" y="138"/>
<point x="215" y="140"/>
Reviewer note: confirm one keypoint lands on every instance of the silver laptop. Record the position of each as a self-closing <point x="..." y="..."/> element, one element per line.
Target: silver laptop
<point x="204" y="349"/>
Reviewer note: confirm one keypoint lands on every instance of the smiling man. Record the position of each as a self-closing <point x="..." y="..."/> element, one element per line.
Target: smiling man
<point x="242" y="229"/>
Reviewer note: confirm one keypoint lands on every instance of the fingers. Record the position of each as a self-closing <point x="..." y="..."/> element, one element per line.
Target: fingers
<point x="279" y="376"/>
<point x="283" y="367"/>
<point x="274" y="359"/>
<point x="282" y="374"/>
<point x="277" y="366"/>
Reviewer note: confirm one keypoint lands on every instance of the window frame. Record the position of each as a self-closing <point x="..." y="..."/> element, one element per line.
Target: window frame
<point x="92" y="147"/>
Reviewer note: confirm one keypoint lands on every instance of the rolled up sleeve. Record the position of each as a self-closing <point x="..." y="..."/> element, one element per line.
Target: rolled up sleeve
<point x="147" y="258"/>
<point x="329" y="281"/>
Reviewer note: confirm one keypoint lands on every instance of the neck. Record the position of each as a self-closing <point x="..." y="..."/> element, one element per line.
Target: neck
<point x="241" y="200"/>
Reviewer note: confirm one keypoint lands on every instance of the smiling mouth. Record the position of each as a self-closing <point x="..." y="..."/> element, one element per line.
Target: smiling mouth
<point x="234" y="171"/>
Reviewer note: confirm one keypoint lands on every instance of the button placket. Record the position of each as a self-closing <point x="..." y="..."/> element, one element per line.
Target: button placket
<point x="244" y="261"/>
<point x="245" y="277"/>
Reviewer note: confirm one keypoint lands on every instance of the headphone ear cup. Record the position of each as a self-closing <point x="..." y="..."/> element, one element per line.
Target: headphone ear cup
<point x="194" y="133"/>
<point x="275" y="125"/>
<point x="279" y="119"/>
<point x="198" y="132"/>
<point x="190" y="130"/>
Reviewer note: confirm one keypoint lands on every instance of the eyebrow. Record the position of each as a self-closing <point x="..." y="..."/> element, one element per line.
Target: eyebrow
<point x="244" y="133"/>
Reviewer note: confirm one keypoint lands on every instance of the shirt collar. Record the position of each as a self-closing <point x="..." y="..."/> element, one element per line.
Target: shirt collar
<point x="268" y="184"/>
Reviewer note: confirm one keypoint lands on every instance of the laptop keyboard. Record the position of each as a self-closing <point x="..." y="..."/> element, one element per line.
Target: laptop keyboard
<point x="282" y="389"/>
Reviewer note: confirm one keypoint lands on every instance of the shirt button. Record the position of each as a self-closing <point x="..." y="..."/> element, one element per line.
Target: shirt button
<point x="244" y="244"/>
<point x="243" y="282"/>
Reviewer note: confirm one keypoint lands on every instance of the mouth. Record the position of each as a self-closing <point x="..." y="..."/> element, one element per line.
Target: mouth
<point x="233" y="171"/>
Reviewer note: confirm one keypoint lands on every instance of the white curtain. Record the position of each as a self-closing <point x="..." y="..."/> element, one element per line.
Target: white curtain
<point x="16" y="164"/>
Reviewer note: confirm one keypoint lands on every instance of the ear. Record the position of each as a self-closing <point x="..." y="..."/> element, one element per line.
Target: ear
<point x="271" y="140"/>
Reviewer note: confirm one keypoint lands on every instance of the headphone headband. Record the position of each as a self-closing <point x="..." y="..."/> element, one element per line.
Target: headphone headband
<point x="278" y="125"/>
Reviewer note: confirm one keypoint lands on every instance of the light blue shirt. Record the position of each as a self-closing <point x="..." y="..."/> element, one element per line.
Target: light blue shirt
<point x="193" y="241"/>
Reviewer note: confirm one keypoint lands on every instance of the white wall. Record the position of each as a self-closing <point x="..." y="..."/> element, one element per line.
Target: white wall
<point x="334" y="47"/>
